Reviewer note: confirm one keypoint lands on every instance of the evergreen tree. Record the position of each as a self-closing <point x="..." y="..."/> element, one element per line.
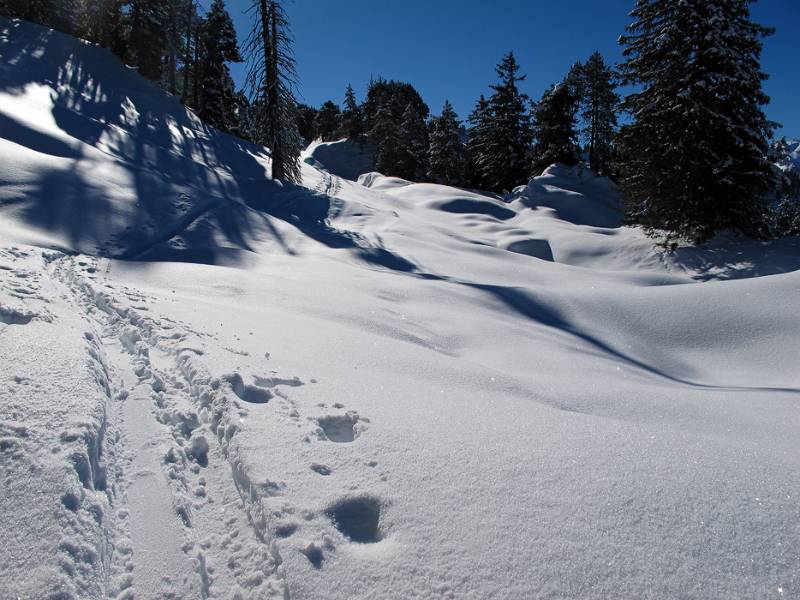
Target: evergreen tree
<point x="352" y="125"/>
<point x="306" y="116"/>
<point x="386" y="138"/>
<point x="554" y="129"/>
<point x="271" y="78"/>
<point x="395" y="115"/>
<point x="218" y="96"/>
<point x="327" y="121"/>
<point x="503" y="160"/>
<point x="593" y="85"/>
<point x="63" y="15"/>
<point x="413" y="140"/>
<point x="478" y="142"/>
<point x="447" y="155"/>
<point x="148" y="39"/>
<point x="103" y="23"/>
<point x="695" y="155"/>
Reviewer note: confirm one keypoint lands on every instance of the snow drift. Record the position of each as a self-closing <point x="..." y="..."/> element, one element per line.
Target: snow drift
<point x="214" y="385"/>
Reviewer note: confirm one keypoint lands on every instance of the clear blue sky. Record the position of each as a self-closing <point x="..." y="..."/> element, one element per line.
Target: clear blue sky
<point x="448" y="48"/>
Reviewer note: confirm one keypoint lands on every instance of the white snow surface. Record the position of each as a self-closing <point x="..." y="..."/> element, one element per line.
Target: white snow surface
<point x="213" y="385"/>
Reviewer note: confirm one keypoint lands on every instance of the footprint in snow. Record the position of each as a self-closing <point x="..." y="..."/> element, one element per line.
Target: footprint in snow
<point x="340" y="428"/>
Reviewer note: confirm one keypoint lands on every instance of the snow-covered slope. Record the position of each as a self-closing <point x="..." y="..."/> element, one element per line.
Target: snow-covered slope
<point x="213" y="385"/>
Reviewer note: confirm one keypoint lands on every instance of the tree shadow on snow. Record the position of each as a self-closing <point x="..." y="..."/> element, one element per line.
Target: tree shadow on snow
<point x="158" y="183"/>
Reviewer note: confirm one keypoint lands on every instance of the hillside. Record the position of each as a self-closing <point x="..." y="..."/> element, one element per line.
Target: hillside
<point x="213" y="385"/>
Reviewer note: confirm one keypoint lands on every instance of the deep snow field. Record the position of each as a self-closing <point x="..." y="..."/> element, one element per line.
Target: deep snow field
<point x="216" y="386"/>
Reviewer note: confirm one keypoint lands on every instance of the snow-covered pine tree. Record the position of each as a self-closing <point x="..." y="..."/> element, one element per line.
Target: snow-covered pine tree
<point x="218" y="96"/>
<point x="694" y="159"/>
<point x="271" y="77"/>
<point x="503" y="161"/>
<point x="352" y="122"/>
<point x="413" y="146"/>
<point x="555" y="139"/>
<point x="148" y="46"/>
<point x="478" y="142"/>
<point x="447" y="156"/>
<point x="328" y="121"/>
<point x="598" y="105"/>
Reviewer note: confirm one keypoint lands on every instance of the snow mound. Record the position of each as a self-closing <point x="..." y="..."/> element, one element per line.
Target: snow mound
<point x="342" y="158"/>
<point x="576" y="195"/>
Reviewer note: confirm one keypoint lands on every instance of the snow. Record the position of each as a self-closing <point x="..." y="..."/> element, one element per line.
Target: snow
<point x="214" y="385"/>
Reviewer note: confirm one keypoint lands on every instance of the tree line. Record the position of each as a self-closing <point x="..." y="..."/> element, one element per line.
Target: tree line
<point x="692" y="156"/>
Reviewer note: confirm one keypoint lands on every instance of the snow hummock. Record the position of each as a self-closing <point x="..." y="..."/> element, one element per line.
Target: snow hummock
<point x="214" y="385"/>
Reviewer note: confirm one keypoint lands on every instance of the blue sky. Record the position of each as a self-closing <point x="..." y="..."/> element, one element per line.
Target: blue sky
<point x="448" y="48"/>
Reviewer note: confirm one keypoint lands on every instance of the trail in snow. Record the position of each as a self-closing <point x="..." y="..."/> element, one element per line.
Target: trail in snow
<point x="194" y="518"/>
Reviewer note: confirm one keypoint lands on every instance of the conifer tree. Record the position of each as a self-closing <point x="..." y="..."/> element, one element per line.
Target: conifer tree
<point x="271" y="78"/>
<point x="102" y="22"/>
<point x="503" y="160"/>
<point x="447" y="156"/>
<point x="352" y="125"/>
<point x="478" y="142"/>
<point x="598" y="104"/>
<point x="694" y="159"/>
<point x="327" y="121"/>
<point x="306" y="116"/>
<point x="386" y="137"/>
<point x="148" y="40"/>
<point x="218" y="96"/>
<point x="413" y="141"/>
<point x="555" y="140"/>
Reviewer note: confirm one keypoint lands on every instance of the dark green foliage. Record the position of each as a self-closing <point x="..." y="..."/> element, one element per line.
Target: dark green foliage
<point x="499" y="151"/>
<point x="593" y="84"/>
<point x="352" y="122"/>
<point x="148" y="44"/>
<point x="63" y="15"/>
<point x="413" y="139"/>
<point x="218" y="96"/>
<point x="477" y="141"/>
<point x="694" y="159"/>
<point x="447" y="155"/>
<point x="395" y="116"/>
<point x="554" y="129"/>
<point x="328" y="121"/>
<point x="306" y="115"/>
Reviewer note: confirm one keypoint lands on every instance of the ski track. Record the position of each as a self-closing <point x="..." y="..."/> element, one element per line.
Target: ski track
<point x="190" y="521"/>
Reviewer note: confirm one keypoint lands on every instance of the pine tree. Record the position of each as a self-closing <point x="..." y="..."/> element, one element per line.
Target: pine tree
<point x="102" y="22"/>
<point x="63" y="15"/>
<point x="478" y="142"/>
<point x="395" y="115"/>
<point x="306" y="116"/>
<point x="413" y="141"/>
<point x="503" y="160"/>
<point x="555" y="140"/>
<point x="271" y="78"/>
<point x="218" y="96"/>
<point x="447" y="155"/>
<point x="328" y="121"/>
<point x="386" y="137"/>
<point x="598" y="100"/>
<point x="695" y="155"/>
<point x="148" y="40"/>
<point x="352" y="123"/>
